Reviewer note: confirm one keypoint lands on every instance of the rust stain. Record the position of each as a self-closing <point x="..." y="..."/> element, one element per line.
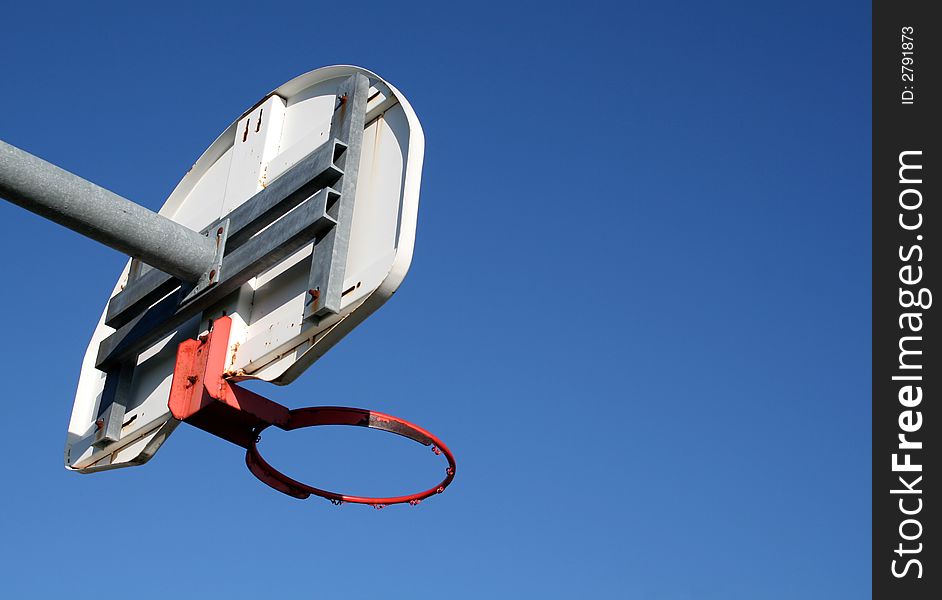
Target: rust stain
<point x="263" y="180"/>
<point x="235" y="350"/>
<point x="234" y="375"/>
<point x="342" y="107"/>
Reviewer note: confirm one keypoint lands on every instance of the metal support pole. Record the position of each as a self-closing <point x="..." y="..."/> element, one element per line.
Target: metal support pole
<point x="104" y="216"/>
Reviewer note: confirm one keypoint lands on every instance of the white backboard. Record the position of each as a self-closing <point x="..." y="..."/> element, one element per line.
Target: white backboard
<point x="271" y="340"/>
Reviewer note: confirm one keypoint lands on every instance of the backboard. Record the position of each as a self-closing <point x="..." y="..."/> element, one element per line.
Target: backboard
<point x="312" y="196"/>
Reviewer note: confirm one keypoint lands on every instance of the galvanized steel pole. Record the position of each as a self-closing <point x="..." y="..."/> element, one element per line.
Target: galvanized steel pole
<point x="93" y="211"/>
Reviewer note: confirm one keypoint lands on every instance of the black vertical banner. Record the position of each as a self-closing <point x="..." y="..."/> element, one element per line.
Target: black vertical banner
<point x="907" y="378"/>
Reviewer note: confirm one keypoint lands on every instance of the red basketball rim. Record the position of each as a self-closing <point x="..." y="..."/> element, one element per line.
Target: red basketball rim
<point x="356" y="417"/>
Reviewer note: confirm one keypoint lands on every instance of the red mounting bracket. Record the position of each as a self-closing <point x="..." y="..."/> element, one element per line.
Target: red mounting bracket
<point x="201" y="395"/>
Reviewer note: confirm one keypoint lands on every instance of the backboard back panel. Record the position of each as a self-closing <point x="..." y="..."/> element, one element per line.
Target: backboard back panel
<point x="274" y="336"/>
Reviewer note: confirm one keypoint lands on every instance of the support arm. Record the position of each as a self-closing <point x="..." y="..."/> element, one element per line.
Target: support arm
<point x="103" y="216"/>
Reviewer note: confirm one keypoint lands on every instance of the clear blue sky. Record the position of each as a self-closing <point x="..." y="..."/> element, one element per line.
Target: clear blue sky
<point x="639" y="310"/>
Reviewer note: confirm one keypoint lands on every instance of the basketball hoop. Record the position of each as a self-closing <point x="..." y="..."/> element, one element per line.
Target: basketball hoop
<point x="201" y="396"/>
<point x="357" y="417"/>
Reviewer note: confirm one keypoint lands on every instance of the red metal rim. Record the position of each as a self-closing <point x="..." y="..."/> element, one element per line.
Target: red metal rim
<point x="357" y="417"/>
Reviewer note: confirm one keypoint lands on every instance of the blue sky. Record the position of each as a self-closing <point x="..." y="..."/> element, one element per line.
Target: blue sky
<point x="639" y="310"/>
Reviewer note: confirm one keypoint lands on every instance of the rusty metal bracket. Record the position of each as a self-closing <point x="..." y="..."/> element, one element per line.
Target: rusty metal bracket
<point x="219" y="231"/>
<point x="329" y="260"/>
<point x="201" y="396"/>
